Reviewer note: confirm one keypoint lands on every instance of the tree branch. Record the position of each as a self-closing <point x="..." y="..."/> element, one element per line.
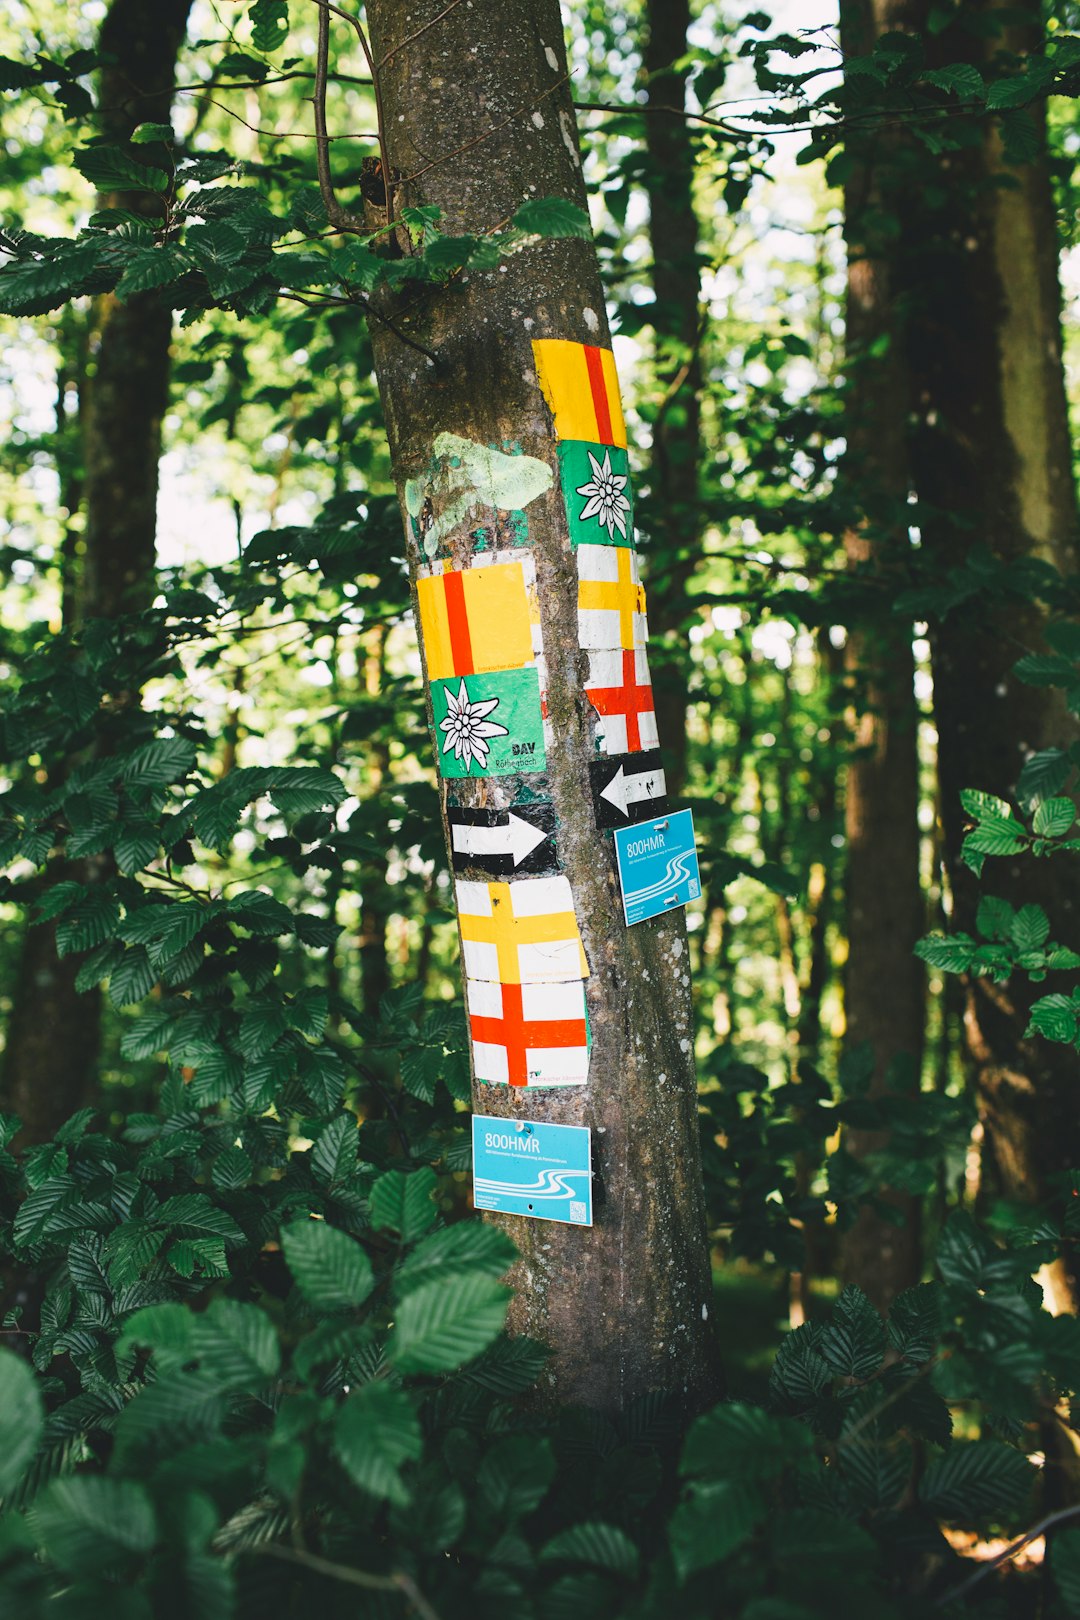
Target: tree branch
<point x="335" y="213"/>
<point x="398" y="1582"/>
<point x="990" y="1564"/>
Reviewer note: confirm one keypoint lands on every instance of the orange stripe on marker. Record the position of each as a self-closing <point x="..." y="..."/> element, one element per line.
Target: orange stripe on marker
<point x="458" y="624"/>
<point x="598" y="389"/>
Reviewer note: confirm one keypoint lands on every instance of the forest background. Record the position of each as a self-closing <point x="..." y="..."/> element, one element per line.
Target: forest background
<point x="840" y="267"/>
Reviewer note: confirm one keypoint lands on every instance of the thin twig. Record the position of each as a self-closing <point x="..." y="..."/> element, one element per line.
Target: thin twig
<point x="368" y="309"/>
<point x="415" y="35"/>
<point x="488" y="133"/>
<point x="380" y="117"/>
<point x="336" y="214"/>
<point x="990" y="1564"/>
<point x="398" y="1582"/>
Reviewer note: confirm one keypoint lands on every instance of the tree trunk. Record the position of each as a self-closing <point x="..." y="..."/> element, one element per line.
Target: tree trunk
<point x="54" y="1033"/>
<point x="478" y="112"/>
<point x="883" y="988"/>
<point x="991" y="457"/>
<point x="674" y="509"/>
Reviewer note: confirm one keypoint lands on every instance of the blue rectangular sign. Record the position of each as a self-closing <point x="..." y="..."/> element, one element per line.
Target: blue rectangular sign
<point x="658" y="866"/>
<point x="527" y="1167"/>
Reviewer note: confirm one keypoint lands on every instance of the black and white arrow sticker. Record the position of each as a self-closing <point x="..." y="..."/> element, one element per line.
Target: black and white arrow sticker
<point x="504" y="842"/>
<point x="628" y="788"/>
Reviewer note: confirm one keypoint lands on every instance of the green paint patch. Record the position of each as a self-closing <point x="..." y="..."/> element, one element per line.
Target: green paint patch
<point x="465" y="480"/>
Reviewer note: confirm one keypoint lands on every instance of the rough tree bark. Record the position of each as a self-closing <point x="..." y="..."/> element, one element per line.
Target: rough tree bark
<point x="883" y="984"/>
<point x="674" y="511"/>
<point x="991" y="458"/>
<point x="478" y="117"/>
<point x="54" y="1033"/>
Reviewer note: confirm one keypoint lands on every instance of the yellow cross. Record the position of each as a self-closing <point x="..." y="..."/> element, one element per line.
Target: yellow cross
<point x="506" y="932"/>
<point x="622" y="595"/>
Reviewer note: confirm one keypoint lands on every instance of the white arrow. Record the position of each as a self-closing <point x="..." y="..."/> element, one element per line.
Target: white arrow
<point x="517" y="838"/>
<point x="623" y="791"/>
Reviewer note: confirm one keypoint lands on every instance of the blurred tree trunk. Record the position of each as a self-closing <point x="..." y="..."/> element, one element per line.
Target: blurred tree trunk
<point x="54" y="1032"/>
<point x="674" y="506"/>
<point x="992" y="463"/>
<point x="883" y="988"/>
<point x="626" y="1306"/>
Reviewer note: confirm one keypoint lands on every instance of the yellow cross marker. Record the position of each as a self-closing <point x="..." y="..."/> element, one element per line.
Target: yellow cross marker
<point x="521" y="944"/>
<point x="623" y="595"/>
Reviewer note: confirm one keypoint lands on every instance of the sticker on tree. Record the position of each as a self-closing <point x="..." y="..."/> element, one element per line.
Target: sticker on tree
<point x="479" y="619"/>
<point x="528" y="1034"/>
<point x="599" y="499"/>
<point x="611" y="599"/>
<point x="524" y="932"/>
<point x="619" y="688"/>
<point x="489" y="725"/>
<point x="503" y="842"/>
<point x="581" y="387"/>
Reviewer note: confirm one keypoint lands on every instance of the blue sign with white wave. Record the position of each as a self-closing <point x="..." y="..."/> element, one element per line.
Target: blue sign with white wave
<point x="658" y="866"/>
<point x="527" y="1167"/>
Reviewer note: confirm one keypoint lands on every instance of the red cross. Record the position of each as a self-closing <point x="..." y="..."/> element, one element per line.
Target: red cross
<point x="629" y="699"/>
<point x="518" y="1033"/>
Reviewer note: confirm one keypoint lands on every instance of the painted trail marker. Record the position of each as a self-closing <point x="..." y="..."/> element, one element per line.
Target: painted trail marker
<point x="628" y="789"/>
<point x="489" y="725"/>
<point x="502" y="842"/>
<point x="658" y="867"/>
<point x="527" y="1167"/>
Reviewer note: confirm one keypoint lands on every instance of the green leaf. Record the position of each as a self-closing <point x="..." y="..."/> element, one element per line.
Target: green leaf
<point x="132" y="978"/>
<point x="975" y="1479"/>
<point x="915" y="1322"/>
<point x="853" y="1341"/>
<point x="159" y="763"/>
<point x="151" y="268"/>
<point x="597" y="1545"/>
<point x="331" y="1269"/>
<point x="744" y="1443"/>
<point x="994" y="918"/>
<point x="553" y="216"/>
<point x="91" y="1525"/>
<point x="1030" y="928"/>
<point x="148" y="134"/>
<point x="235" y="1344"/>
<point x="1054" y="817"/>
<point x="401" y="1200"/>
<point x="89" y="922"/>
<point x="22" y="1420"/>
<point x="1055" y="1017"/>
<point x="713" y="1521"/>
<point x="269" y="24"/>
<point x="447" y="1322"/>
<point x="962" y="79"/>
<point x="375" y="1433"/>
<point x="1043" y="774"/>
<point x="951" y="953"/>
<point x="514" y="1477"/>
<point x="468" y="1246"/>
<point x="193" y="1215"/>
<point x="109" y="168"/>
<point x="137" y="844"/>
<point x="232" y="1169"/>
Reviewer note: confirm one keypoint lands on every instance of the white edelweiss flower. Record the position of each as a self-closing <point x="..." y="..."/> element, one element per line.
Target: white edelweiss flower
<point x="605" y="502"/>
<point x="466" y="726"/>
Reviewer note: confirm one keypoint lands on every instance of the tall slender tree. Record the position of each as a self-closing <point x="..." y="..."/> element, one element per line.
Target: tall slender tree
<point x="477" y="118"/>
<point x="884" y="906"/>
<point x="54" y="1034"/>
<point x="977" y="267"/>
